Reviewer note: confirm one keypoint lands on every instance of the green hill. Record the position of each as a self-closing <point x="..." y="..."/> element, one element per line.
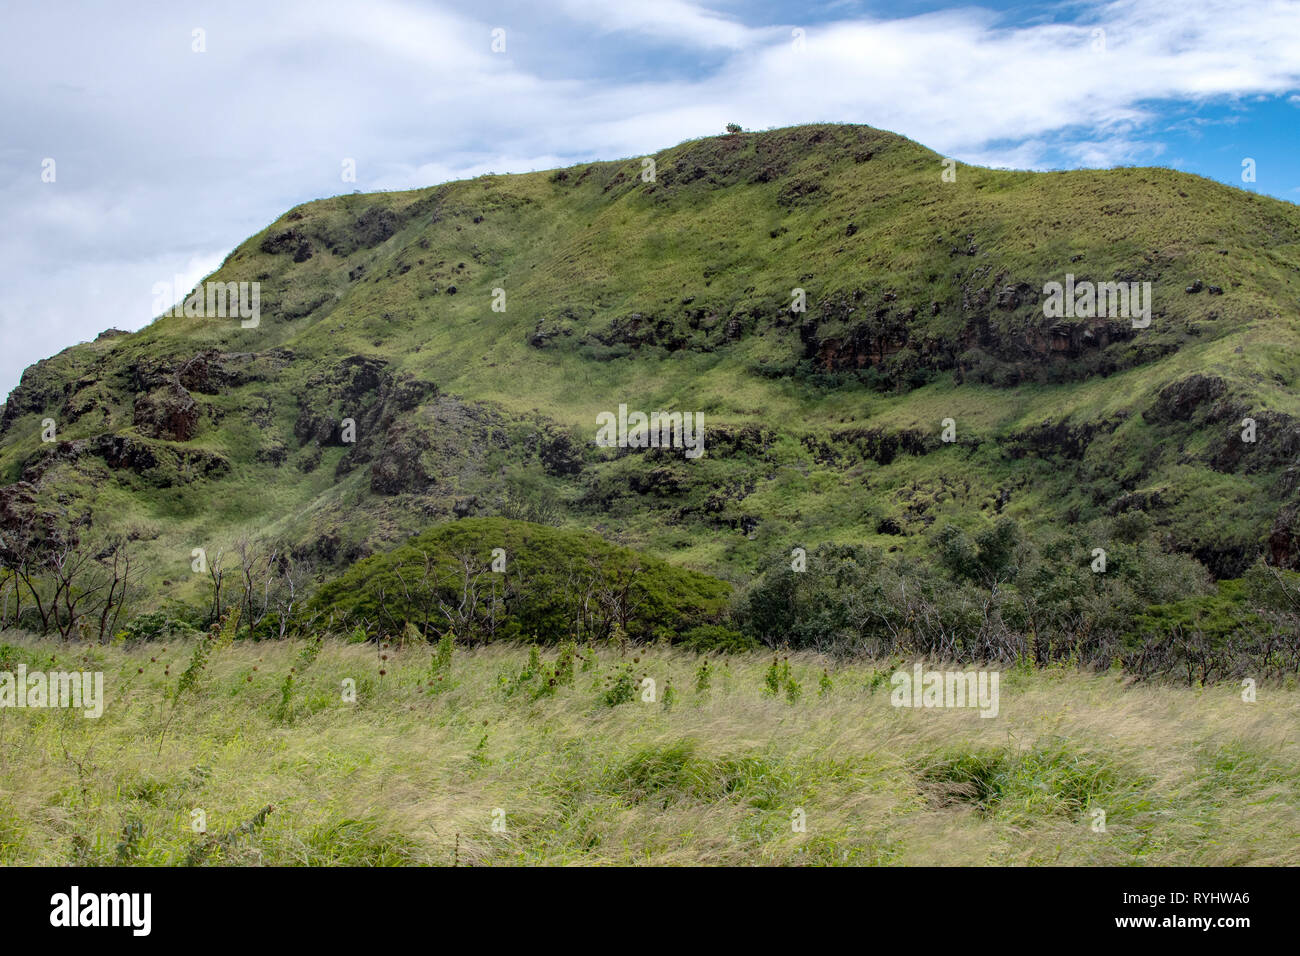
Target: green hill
<point x="924" y="303"/>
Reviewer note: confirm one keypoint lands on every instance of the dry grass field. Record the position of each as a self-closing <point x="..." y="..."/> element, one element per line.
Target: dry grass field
<point x="496" y="759"/>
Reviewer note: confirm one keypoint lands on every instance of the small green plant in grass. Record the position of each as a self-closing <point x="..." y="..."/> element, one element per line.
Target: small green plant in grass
<point x="222" y="843"/>
<point x="203" y="649"/>
<point x="772" y="679"/>
<point x="284" y="710"/>
<point x="128" y="846"/>
<point x="546" y="684"/>
<point x="443" y="651"/>
<point x="440" y="663"/>
<point x="877" y="678"/>
<point x="310" y="651"/>
<point x="793" y="689"/>
<point x="825" y="685"/>
<point x="220" y="636"/>
<point x="703" y="677"/>
<point x="622" y="689"/>
<point x="618" y="638"/>
<point x="589" y="656"/>
<point x="564" y="662"/>
<point x="670" y="696"/>
<point x="479" y="754"/>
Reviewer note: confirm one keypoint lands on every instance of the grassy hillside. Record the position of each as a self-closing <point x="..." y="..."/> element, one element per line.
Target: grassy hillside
<point x="924" y="303"/>
<point x="429" y="756"/>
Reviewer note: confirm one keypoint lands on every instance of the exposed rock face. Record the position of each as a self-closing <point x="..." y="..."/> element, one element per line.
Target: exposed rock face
<point x="288" y="241"/>
<point x="362" y="389"/>
<point x="169" y="413"/>
<point x="209" y="372"/>
<point x="1178" y="401"/>
<point x="1276" y="444"/>
<point x="438" y="443"/>
<point x="161" y="465"/>
<point x="1011" y="297"/>
<point x="40" y="389"/>
<point x="1284" y="539"/>
<point x="1070" y="339"/>
<point x="347" y="390"/>
<point x="870" y="444"/>
<point x="20" y="520"/>
<point x="375" y="226"/>
<point x="635" y="330"/>
<point x="851" y="332"/>
<point x="1059" y="439"/>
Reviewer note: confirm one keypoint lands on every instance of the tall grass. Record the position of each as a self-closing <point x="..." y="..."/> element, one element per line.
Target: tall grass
<point x="419" y="769"/>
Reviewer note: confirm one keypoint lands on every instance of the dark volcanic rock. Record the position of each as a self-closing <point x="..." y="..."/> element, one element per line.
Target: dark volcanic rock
<point x="1276" y="444"/>
<point x="1179" y="400"/>
<point x="289" y="240"/>
<point x="159" y="464"/>
<point x="438" y="443"/>
<point x="873" y="444"/>
<point x="1284" y="538"/>
<point x="1057" y="439"/>
<point x="169" y="413"/>
<point x="209" y="372"/>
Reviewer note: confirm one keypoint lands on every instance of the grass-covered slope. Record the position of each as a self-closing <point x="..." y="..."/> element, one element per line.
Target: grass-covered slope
<point x="924" y="302"/>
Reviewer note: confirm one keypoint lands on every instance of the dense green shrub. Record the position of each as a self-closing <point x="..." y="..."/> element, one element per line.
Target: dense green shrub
<point x="556" y="584"/>
<point x="718" y="637"/>
<point x="993" y="593"/>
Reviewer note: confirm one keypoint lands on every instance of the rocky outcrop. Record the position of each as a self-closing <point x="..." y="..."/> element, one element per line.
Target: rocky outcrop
<point x="41" y="389"/>
<point x="208" y="372"/>
<point x="1276" y="444"/>
<point x="637" y="330"/>
<point x="439" y="443"/>
<point x="169" y="413"/>
<point x="1178" y="401"/>
<point x="1069" y="340"/>
<point x="348" y="390"/>
<point x="22" y="521"/>
<point x="159" y="464"/>
<point x="1284" y="538"/>
<point x="366" y="391"/>
<point x="1057" y="439"/>
<point x="868" y="444"/>
<point x="288" y="241"/>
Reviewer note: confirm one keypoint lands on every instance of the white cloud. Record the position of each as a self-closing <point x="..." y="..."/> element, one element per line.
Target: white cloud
<point x="666" y="19"/>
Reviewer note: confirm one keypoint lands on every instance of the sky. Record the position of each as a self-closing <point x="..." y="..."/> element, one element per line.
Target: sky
<point x="178" y="129"/>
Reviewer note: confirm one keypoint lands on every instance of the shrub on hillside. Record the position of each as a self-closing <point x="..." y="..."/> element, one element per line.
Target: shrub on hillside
<point x="548" y="584"/>
<point x="993" y="594"/>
